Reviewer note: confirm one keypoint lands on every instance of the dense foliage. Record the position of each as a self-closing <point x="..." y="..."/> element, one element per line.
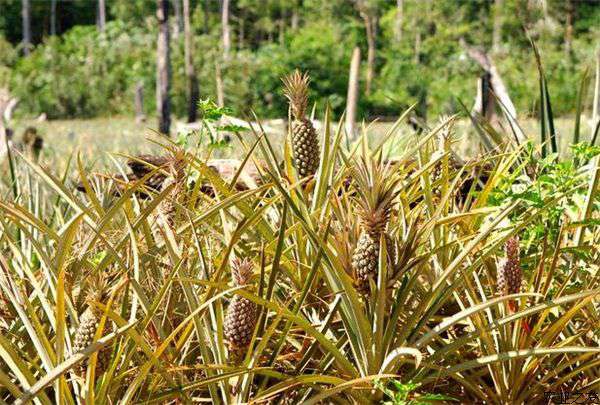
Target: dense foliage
<point x="82" y="72"/>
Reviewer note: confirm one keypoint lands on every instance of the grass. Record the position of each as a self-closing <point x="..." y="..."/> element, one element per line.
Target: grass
<point x="95" y="138"/>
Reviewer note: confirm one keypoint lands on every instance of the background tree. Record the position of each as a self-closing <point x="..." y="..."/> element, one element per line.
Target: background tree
<point x="26" y="13"/>
<point x="273" y="37"/>
<point x="353" y="90"/>
<point x="398" y="21"/>
<point x="163" y="68"/>
<point x="497" y="28"/>
<point x="178" y="27"/>
<point x="192" y="81"/>
<point x="101" y="15"/>
<point x="53" y="17"/>
<point x="368" y="10"/>
<point x="225" y="36"/>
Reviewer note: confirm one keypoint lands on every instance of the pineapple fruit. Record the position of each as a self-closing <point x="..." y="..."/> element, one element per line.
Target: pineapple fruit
<point x="242" y="313"/>
<point x="84" y="335"/>
<point x="376" y="189"/>
<point x="305" y="142"/>
<point x="510" y="275"/>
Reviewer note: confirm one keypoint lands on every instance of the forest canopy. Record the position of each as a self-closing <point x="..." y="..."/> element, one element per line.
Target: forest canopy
<point x="75" y="69"/>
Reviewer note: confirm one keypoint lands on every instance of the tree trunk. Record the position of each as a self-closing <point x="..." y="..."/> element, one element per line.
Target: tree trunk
<point x="352" y="99"/>
<point x="163" y="68"/>
<point x="417" y="58"/>
<point x="569" y="28"/>
<point x="139" y="103"/>
<point x="485" y="104"/>
<point x="179" y="24"/>
<point x="206" y="28"/>
<point x="226" y="38"/>
<point x="500" y="91"/>
<point x="219" y="83"/>
<point x="101" y="15"/>
<point x="371" y="29"/>
<point x="295" y="18"/>
<point x="596" y="108"/>
<point x="26" y="14"/>
<point x="281" y="26"/>
<point x="497" y="31"/>
<point x="544" y="5"/>
<point x="242" y="31"/>
<point x="53" y="17"/>
<point x="192" y="81"/>
<point x="398" y="21"/>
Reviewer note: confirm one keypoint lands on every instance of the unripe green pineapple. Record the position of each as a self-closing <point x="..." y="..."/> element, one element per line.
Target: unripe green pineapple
<point x="376" y="189"/>
<point x="305" y="142"/>
<point x="242" y="313"/>
<point x="510" y="275"/>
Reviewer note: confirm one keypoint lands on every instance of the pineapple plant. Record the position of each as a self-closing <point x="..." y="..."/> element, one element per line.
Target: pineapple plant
<point x="376" y="189"/>
<point x="305" y="142"/>
<point x="242" y="313"/>
<point x="88" y="325"/>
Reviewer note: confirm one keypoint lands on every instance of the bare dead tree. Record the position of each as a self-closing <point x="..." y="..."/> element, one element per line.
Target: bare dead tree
<point x="163" y="68"/>
<point x="7" y="104"/>
<point x="193" y="92"/>
<point x="485" y="103"/>
<point x="352" y="98"/>
<point x="26" y="17"/>
<point x="498" y="88"/>
<point x="101" y="15"/>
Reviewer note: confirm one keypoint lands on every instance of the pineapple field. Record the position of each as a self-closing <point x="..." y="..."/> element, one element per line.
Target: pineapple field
<point x="317" y="268"/>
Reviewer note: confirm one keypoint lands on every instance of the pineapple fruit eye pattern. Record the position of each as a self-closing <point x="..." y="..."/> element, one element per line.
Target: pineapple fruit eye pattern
<point x="336" y="273"/>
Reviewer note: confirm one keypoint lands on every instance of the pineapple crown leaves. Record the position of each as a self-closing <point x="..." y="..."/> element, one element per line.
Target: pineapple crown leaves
<point x="241" y="270"/>
<point x="296" y="91"/>
<point x="376" y="187"/>
<point x="97" y="289"/>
